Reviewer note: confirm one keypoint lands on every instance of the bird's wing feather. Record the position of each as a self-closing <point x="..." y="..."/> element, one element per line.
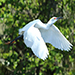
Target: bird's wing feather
<point x="27" y="26"/>
<point x="32" y="38"/>
<point x="56" y="38"/>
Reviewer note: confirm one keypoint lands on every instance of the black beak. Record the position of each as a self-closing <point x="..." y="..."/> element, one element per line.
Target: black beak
<point x="59" y="18"/>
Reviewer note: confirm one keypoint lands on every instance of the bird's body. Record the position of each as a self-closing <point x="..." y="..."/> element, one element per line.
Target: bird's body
<point x="36" y="34"/>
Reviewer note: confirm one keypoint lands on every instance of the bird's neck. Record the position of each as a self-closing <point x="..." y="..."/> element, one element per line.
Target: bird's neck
<point x="49" y="24"/>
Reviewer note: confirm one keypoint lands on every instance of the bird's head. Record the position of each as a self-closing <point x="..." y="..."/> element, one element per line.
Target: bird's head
<point x="54" y="19"/>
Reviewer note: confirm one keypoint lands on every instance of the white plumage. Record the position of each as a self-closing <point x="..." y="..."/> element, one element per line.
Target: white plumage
<point x="36" y="34"/>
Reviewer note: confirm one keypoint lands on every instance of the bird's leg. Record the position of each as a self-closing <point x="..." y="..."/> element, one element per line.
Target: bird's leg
<point x="9" y="42"/>
<point x="14" y="40"/>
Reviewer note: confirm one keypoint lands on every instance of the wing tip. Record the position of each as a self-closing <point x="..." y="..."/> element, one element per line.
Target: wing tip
<point x="68" y="48"/>
<point x="46" y="56"/>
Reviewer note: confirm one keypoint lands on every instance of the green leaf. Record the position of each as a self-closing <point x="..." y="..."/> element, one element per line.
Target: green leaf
<point x="0" y="3"/>
<point x="0" y="42"/>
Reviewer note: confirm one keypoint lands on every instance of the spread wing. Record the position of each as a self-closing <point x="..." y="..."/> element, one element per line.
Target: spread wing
<point x="56" y="38"/>
<point x="27" y="26"/>
<point x="32" y="38"/>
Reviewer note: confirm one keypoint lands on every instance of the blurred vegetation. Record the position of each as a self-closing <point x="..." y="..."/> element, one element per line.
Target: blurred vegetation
<point x="17" y="59"/>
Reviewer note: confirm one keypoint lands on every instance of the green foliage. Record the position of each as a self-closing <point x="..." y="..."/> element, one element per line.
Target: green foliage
<point x="17" y="59"/>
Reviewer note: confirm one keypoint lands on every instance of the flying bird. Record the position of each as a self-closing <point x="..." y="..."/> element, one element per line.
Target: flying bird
<point x="36" y="34"/>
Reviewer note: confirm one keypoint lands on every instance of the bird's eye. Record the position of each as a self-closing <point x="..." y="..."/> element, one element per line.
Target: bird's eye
<point x="55" y="18"/>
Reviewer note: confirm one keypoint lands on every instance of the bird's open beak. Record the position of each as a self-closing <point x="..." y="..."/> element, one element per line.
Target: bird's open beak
<point x="59" y="18"/>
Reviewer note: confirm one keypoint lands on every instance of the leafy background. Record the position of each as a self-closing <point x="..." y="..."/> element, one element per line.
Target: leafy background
<point x="17" y="59"/>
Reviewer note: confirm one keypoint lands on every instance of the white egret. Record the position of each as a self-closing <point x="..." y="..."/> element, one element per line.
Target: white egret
<point x="36" y="34"/>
